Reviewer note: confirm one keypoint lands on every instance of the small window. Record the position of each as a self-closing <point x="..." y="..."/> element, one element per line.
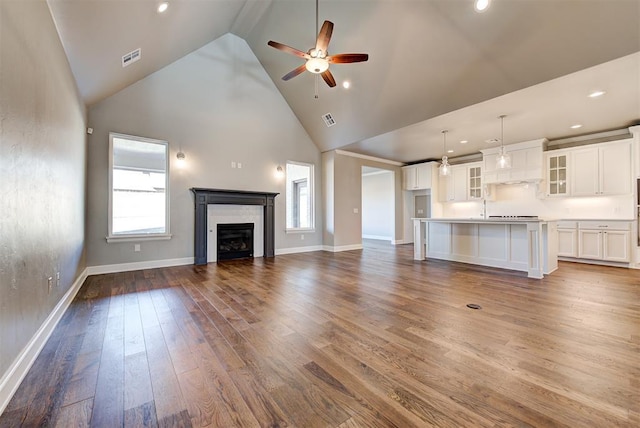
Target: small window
<point x="138" y="188"/>
<point x="299" y="194"/>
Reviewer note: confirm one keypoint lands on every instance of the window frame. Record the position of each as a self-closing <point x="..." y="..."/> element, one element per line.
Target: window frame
<point x="130" y="237"/>
<point x="310" y="191"/>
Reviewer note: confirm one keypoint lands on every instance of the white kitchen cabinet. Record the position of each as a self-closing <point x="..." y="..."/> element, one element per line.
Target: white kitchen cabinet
<point x="456" y="187"/>
<point x="602" y="169"/>
<point x="604" y="240"/>
<point x="474" y="187"/>
<point x="526" y="163"/>
<point x="590" y="244"/>
<point x="558" y="173"/>
<point x="417" y="177"/>
<point x="567" y="239"/>
<point x="616" y="245"/>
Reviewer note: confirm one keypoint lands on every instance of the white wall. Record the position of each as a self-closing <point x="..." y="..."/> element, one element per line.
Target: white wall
<point x="219" y="105"/>
<point x="378" y="205"/>
<point x="42" y="179"/>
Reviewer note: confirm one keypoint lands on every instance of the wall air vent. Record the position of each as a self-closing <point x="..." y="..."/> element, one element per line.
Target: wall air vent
<point x="131" y="57"/>
<point x="328" y="120"/>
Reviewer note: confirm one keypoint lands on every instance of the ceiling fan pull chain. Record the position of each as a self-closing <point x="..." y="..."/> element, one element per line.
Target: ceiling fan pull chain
<point x="316" y="85"/>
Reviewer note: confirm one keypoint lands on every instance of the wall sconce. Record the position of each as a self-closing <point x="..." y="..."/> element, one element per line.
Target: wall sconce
<point x="279" y="172"/>
<point x="181" y="159"/>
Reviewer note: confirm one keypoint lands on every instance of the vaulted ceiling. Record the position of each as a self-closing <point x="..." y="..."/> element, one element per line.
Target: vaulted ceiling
<point x="433" y="64"/>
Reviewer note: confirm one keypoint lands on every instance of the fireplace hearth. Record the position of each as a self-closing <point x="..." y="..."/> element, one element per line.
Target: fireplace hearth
<point x="235" y="241"/>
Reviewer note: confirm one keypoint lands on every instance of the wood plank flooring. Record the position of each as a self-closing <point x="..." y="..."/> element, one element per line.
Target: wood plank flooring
<point x="365" y="338"/>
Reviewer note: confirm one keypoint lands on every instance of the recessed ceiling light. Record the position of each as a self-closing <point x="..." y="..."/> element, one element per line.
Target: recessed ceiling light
<point x="481" y="5"/>
<point x="346" y="84"/>
<point x="576" y="126"/>
<point x="464" y="141"/>
<point x="596" y="94"/>
<point x="162" y="7"/>
<point x="450" y="151"/>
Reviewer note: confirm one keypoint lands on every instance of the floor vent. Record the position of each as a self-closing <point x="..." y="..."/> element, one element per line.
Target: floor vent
<point x="328" y="120"/>
<point x="474" y="306"/>
<point x="131" y="57"/>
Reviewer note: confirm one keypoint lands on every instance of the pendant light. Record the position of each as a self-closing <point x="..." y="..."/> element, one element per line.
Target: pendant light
<point x="445" y="168"/>
<point x="504" y="159"/>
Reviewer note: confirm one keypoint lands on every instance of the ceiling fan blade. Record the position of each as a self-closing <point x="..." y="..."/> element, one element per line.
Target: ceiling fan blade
<point x="288" y="49"/>
<point x="324" y="36"/>
<point x="293" y="73"/>
<point x="347" y="58"/>
<point x="328" y="77"/>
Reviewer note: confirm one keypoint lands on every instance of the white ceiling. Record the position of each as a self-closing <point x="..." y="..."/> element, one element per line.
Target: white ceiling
<point x="434" y="64"/>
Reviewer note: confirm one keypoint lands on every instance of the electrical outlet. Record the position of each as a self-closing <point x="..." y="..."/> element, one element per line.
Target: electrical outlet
<point x="420" y="211"/>
<point x="136" y="248"/>
<point x="50" y="283"/>
<point x="233" y="164"/>
<point x="239" y="165"/>
<point x="302" y="237"/>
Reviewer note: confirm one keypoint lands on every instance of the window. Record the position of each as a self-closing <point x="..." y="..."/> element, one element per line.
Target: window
<point x="299" y="194"/>
<point x="138" y="188"/>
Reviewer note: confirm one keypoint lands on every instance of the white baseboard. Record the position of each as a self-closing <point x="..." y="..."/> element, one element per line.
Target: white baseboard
<point x="342" y="248"/>
<point x="294" y="250"/>
<point x="378" y="237"/>
<point x="126" y="267"/>
<point x="20" y="367"/>
<point x="400" y="242"/>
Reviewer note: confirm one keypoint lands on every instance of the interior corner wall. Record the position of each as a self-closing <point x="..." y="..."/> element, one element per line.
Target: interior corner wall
<point x="42" y="176"/>
<point x="328" y="196"/>
<point x="219" y="106"/>
<point x="347" y="178"/>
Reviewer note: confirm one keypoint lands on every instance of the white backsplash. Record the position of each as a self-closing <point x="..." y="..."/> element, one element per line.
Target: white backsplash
<point x="234" y="214"/>
<point x="521" y="199"/>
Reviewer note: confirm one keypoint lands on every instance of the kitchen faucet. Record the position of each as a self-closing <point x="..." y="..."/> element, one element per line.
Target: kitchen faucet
<point x="484" y="209"/>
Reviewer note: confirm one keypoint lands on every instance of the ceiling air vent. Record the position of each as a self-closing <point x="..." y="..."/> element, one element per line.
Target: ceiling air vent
<point x="328" y="120"/>
<point x="131" y="57"/>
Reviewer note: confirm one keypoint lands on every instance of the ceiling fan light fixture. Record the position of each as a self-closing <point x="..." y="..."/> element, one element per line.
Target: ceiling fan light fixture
<point x="317" y="65"/>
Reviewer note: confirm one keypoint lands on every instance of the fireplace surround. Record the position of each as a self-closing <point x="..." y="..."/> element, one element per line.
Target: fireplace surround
<point x="204" y="197"/>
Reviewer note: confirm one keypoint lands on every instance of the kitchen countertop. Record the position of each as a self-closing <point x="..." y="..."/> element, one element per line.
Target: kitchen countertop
<point x="485" y="220"/>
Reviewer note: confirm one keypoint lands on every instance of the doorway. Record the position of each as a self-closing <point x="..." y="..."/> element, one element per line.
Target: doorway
<point x="378" y="204"/>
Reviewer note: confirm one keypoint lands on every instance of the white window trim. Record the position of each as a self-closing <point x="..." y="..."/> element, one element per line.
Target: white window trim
<point x="111" y="238"/>
<point x="311" y="187"/>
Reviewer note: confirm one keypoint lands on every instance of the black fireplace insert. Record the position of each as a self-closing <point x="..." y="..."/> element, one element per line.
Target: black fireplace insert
<point x="235" y="241"/>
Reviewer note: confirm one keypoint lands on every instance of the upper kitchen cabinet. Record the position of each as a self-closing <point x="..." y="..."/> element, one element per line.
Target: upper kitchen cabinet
<point x="463" y="184"/>
<point x="558" y="173"/>
<point x="526" y="163"/>
<point x="602" y="169"/>
<point x="417" y="177"/>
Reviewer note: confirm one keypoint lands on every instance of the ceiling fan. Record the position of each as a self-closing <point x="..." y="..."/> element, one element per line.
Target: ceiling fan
<point x="318" y="58"/>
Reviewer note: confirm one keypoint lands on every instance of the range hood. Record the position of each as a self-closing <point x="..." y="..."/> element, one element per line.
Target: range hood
<point x="527" y="163"/>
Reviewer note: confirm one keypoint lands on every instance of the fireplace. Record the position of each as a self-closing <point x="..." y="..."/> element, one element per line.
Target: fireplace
<point x="235" y="241"/>
<point x="204" y="197"/>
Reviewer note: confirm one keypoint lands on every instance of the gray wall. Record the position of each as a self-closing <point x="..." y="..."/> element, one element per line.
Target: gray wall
<point x="345" y="172"/>
<point x="42" y="173"/>
<point x="219" y="105"/>
<point x="378" y="208"/>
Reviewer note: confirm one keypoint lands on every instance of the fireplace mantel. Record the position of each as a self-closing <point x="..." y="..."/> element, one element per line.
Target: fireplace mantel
<point x="204" y="197"/>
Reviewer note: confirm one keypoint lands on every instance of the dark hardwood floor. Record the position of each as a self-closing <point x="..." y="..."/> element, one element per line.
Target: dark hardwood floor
<point x="365" y="338"/>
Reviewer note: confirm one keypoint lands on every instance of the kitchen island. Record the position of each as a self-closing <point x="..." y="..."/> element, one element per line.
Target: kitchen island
<point x="528" y="245"/>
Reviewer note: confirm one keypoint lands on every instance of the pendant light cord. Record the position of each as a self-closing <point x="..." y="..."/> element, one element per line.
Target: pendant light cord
<point x="502" y="133"/>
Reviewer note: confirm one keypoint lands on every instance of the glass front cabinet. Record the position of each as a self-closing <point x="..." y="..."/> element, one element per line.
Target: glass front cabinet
<point x="557" y="174"/>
